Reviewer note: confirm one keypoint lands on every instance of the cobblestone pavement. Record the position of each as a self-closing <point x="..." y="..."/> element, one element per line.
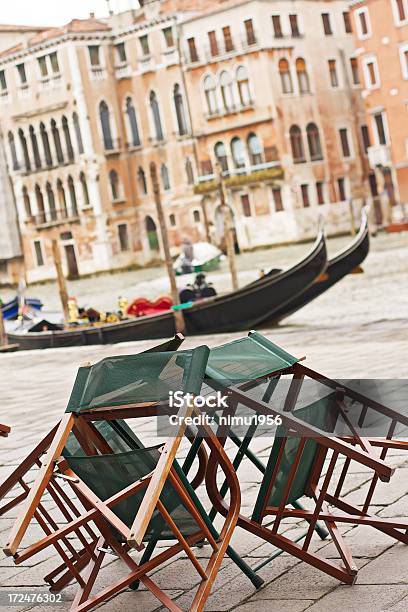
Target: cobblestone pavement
<point x="343" y="334"/>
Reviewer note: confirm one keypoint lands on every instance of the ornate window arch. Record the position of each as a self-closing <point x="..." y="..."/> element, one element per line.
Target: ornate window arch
<point x="77" y="129"/>
<point x="210" y="92"/>
<point x="180" y="111"/>
<point x="165" y="178"/>
<point x="13" y="151"/>
<point x="132" y="123"/>
<point x="27" y="203"/>
<point x="62" y="201"/>
<point x="313" y="141"/>
<point x="227" y="90"/>
<point x="34" y="146"/>
<point x="157" y="123"/>
<point x="105" y="121"/>
<point x="189" y="172"/>
<point x="24" y="148"/>
<point x="57" y="141"/>
<point x="84" y="187"/>
<point x="114" y="185"/>
<point x="243" y="86"/>
<point x="67" y="136"/>
<point x="255" y="149"/>
<point x="285" y="76"/>
<point x="220" y="152"/>
<point x="238" y="152"/>
<point x="141" y="179"/>
<point x="46" y="144"/>
<point x="39" y="198"/>
<point x="72" y="196"/>
<point x="51" y="201"/>
<point x="302" y="75"/>
<point x="296" y="143"/>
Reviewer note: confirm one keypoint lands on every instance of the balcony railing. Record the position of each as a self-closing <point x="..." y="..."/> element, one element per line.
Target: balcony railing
<point x="379" y="155"/>
<point x="54" y="217"/>
<point x="235" y="177"/>
<point x="146" y="64"/>
<point x="123" y="71"/>
<point x="98" y="73"/>
<point x="112" y="145"/>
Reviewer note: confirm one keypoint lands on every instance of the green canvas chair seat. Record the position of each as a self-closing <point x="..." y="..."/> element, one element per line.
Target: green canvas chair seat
<point x="318" y="414"/>
<point x="107" y="475"/>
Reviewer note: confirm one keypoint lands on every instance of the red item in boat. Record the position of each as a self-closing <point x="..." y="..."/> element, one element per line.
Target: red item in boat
<point x="142" y="307"/>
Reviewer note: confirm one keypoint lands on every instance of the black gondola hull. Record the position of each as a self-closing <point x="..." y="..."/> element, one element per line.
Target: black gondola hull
<point x="338" y="267"/>
<point x="240" y="310"/>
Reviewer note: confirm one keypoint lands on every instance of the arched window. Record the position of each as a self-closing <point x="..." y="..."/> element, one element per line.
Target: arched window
<point x="57" y="141"/>
<point x="46" y="145"/>
<point x="51" y="202"/>
<point x="302" y="75"/>
<point x="227" y="91"/>
<point x="77" y="128"/>
<point x="84" y="187"/>
<point x="196" y="216"/>
<point x="62" y="202"/>
<point x="141" y="179"/>
<point x="24" y="148"/>
<point x="221" y="155"/>
<point x="72" y="197"/>
<point x="132" y="123"/>
<point x="243" y="86"/>
<point x="104" y="117"/>
<point x="313" y="141"/>
<point x="238" y="152"/>
<point x="164" y="172"/>
<point x="179" y="107"/>
<point x="210" y="95"/>
<point x="34" y="146"/>
<point x="27" y="203"/>
<point x="114" y="185"/>
<point x="13" y="152"/>
<point x="40" y="204"/>
<point x="296" y="143"/>
<point x="154" y="106"/>
<point x="189" y="172"/>
<point x="285" y="76"/>
<point x="172" y="220"/>
<point x="255" y="149"/>
<point x="68" y="141"/>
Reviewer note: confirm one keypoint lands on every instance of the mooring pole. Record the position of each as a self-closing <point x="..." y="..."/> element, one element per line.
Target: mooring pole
<point x="228" y="228"/>
<point x="2" y="329"/>
<point x="178" y="314"/>
<point x="62" y="286"/>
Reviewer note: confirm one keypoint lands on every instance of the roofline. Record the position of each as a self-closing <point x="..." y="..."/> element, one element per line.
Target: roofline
<point x="5" y="27"/>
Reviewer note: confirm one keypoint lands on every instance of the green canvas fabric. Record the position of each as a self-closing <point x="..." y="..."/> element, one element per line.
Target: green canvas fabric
<point x="247" y="359"/>
<point x="119" y="436"/>
<point x="318" y="414"/>
<point x="107" y="475"/>
<point x="141" y="378"/>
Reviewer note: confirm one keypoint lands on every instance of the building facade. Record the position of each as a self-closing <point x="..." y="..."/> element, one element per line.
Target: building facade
<point x="267" y="90"/>
<point x="381" y="39"/>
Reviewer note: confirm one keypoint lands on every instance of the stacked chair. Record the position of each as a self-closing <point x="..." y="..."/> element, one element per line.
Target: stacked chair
<point x="117" y="495"/>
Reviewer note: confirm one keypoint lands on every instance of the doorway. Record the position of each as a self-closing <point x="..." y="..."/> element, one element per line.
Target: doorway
<point x="72" y="264"/>
<point x="152" y="236"/>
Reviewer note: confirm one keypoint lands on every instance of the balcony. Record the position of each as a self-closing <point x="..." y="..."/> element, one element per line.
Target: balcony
<point x="4" y="96"/>
<point x="112" y="146"/>
<point x="123" y="71"/>
<point x="52" y="218"/>
<point x="146" y="64"/>
<point x="170" y="57"/>
<point x="50" y="82"/>
<point x="379" y="155"/>
<point x="98" y="73"/>
<point x="267" y="171"/>
<point x="24" y="91"/>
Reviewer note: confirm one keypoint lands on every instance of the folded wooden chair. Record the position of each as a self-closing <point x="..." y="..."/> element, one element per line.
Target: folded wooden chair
<point x="302" y="464"/>
<point x="126" y="386"/>
<point x="20" y="476"/>
<point x="250" y="369"/>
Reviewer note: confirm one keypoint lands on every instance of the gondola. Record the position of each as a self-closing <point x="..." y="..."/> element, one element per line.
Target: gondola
<point x="10" y="309"/>
<point x="337" y="268"/>
<point x="235" y="311"/>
